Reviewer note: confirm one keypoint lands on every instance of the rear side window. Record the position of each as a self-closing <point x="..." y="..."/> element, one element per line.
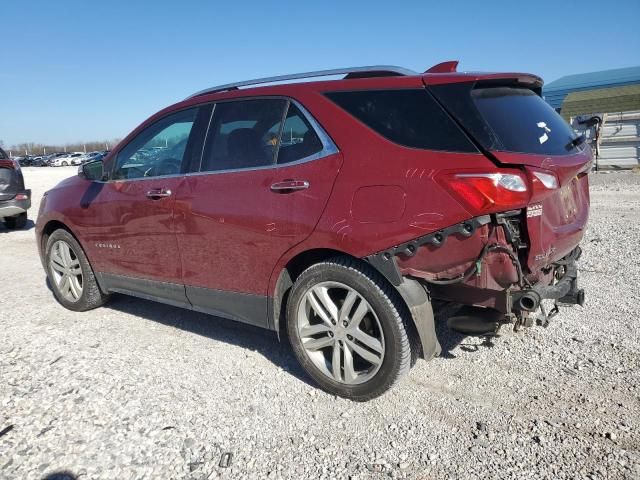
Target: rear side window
<point x="243" y="134"/>
<point x="409" y="117"/>
<point x="522" y="121"/>
<point x="298" y="140"/>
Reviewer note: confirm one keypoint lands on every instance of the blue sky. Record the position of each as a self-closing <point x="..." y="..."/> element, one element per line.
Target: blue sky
<point x="83" y="70"/>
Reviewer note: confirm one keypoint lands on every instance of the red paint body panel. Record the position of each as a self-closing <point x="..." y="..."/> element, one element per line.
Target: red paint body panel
<point x="232" y="228"/>
<point x="121" y="230"/>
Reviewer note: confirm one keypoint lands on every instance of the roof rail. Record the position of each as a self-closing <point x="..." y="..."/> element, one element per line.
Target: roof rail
<point x="352" y="72"/>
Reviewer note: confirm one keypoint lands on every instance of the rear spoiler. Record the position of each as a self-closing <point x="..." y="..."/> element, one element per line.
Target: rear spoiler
<point x="446" y="72"/>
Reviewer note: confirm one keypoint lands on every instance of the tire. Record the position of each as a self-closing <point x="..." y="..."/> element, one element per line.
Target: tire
<point x="16" y="223"/>
<point x="88" y="295"/>
<point x="381" y="335"/>
<point x="65" y="164"/>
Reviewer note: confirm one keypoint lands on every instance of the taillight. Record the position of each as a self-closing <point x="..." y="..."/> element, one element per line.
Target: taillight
<point x="488" y="192"/>
<point x="543" y="184"/>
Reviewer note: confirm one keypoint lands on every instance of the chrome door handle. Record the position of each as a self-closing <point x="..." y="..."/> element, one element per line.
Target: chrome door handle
<point x="289" y="186"/>
<point x="158" y="193"/>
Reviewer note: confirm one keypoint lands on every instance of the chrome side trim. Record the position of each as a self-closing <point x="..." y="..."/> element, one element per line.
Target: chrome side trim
<point x="297" y="76"/>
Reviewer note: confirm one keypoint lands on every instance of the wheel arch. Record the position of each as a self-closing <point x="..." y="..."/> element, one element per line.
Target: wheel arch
<point x="50" y="227"/>
<point x="287" y="276"/>
<point x="414" y="296"/>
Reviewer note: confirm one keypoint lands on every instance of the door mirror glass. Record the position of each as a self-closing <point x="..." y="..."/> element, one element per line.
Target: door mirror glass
<point x="92" y="170"/>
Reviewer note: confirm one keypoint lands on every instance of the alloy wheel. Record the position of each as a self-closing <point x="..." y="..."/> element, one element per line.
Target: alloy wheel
<point x="66" y="272"/>
<point x="340" y="333"/>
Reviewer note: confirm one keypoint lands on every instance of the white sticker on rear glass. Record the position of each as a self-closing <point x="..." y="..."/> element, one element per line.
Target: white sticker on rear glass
<point x="544" y="137"/>
<point x="534" y="210"/>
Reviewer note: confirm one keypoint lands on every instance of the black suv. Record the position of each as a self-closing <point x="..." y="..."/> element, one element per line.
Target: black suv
<point x="15" y="200"/>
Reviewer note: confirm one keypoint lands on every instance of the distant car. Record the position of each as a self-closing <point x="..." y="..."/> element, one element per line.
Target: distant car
<point x="99" y="156"/>
<point x="65" y="161"/>
<point x="38" y="162"/>
<point x="24" y="161"/>
<point x="87" y="157"/>
<point x="14" y="199"/>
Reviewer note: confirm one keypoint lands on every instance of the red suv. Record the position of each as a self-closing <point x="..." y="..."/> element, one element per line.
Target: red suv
<point x="334" y="210"/>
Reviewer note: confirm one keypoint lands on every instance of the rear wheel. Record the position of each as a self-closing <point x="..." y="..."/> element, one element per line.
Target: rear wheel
<point x="346" y="329"/>
<point x="16" y="223"/>
<point x="72" y="280"/>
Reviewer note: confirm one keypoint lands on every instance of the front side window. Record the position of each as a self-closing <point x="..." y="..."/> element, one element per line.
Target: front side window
<point x="243" y="134"/>
<point x="158" y="150"/>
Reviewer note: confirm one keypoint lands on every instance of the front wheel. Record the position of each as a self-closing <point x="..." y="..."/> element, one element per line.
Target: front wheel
<point x="347" y="330"/>
<point x="70" y="274"/>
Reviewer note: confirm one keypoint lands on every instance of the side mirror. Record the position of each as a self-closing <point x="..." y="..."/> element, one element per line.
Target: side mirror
<point x="93" y="170"/>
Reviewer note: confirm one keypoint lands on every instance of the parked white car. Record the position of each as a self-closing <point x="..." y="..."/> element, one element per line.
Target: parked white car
<point x="70" y="159"/>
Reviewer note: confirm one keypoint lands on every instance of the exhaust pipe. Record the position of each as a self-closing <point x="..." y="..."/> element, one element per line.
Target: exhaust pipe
<point x="529" y="301"/>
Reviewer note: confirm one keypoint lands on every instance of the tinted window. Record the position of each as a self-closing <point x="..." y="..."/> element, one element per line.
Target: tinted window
<point x="158" y="150"/>
<point x="408" y="117"/>
<point x="243" y="134"/>
<point x="298" y="139"/>
<point x="2" y="154"/>
<point x="522" y="121"/>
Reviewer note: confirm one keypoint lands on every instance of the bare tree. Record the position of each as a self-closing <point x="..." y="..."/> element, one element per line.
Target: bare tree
<point x="33" y="148"/>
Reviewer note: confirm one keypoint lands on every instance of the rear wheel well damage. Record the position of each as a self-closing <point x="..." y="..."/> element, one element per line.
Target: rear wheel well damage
<point x="415" y="298"/>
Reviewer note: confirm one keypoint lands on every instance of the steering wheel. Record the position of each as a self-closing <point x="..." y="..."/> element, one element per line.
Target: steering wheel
<point x="167" y="166"/>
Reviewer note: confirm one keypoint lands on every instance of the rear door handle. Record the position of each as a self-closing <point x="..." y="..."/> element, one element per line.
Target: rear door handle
<point x="287" y="186"/>
<point x="158" y="193"/>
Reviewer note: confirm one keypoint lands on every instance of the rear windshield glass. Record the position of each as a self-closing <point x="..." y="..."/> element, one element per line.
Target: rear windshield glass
<point x="2" y="154"/>
<point x="411" y="118"/>
<point x="522" y="121"/>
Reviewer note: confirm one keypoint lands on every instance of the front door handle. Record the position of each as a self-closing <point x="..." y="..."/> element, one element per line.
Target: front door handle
<point x="158" y="193"/>
<point x="287" y="186"/>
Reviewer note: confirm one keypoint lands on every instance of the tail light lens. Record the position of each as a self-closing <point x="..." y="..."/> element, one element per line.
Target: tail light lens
<point x="548" y="180"/>
<point x="8" y="164"/>
<point x="485" y="193"/>
<point x="543" y="184"/>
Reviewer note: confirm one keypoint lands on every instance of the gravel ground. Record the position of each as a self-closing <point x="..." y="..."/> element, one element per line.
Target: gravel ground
<point x="142" y="390"/>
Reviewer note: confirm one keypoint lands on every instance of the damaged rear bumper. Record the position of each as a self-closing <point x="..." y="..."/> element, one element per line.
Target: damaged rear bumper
<point x="564" y="288"/>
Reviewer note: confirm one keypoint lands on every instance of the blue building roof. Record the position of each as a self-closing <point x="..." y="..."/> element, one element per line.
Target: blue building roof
<point x="555" y="92"/>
